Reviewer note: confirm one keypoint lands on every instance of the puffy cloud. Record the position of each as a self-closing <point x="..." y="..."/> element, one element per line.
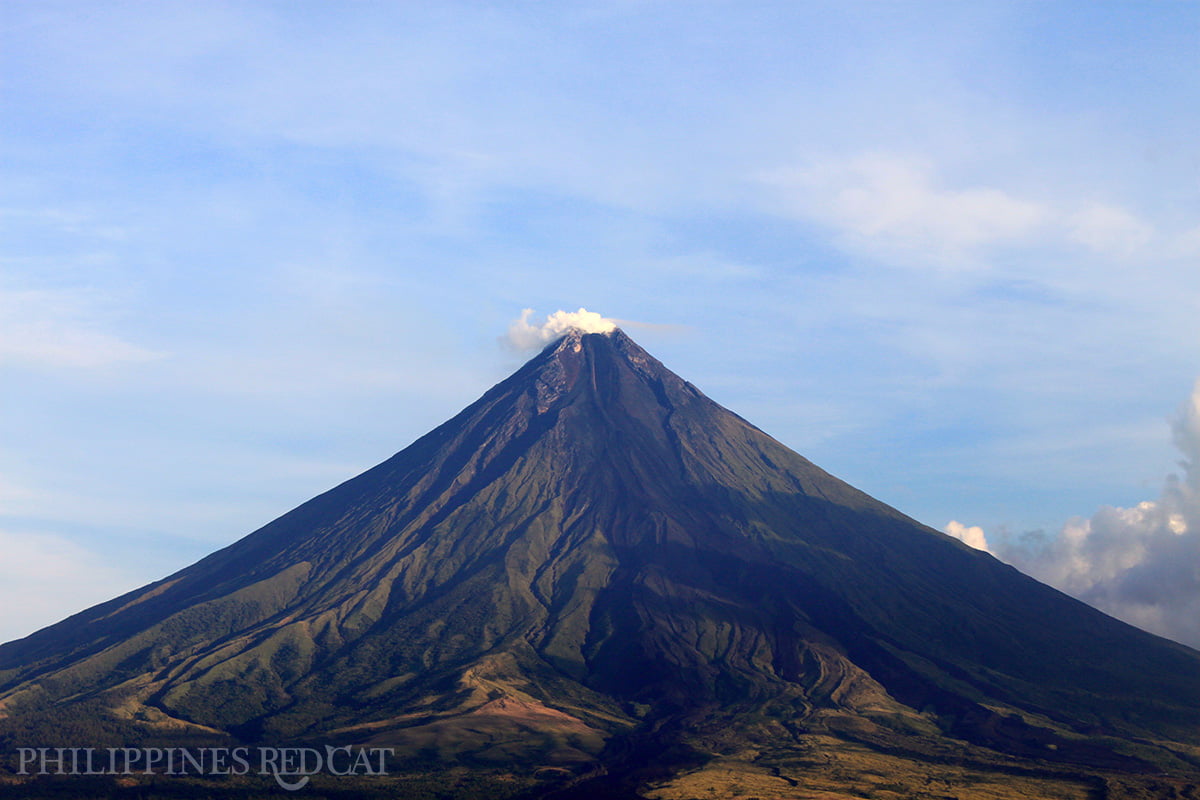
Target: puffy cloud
<point x="525" y="336"/>
<point x="1140" y="564"/>
<point x="972" y="535"/>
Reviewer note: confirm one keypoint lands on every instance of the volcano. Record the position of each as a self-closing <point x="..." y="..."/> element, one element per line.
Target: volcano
<point x="596" y="582"/>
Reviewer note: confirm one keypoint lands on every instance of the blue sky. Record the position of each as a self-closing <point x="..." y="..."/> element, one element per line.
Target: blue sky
<point x="948" y="251"/>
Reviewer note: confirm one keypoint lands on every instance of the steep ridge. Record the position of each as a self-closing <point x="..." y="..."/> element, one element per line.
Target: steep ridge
<point x="594" y="562"/>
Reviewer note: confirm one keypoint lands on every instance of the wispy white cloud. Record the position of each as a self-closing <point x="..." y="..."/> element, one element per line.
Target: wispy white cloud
<point x="1187" y="244"/>
<point x="1109" y="230"/>
<point x="14" y="496"/>
<point x="903" y="210"/>
<point x="63" y="222"/>
<point x="46" y="577"/>
<point x="60" y="329"/>
<point x="896" y="202"/>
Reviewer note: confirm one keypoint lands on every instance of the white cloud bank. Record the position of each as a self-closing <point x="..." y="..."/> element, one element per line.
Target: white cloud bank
<point x="522" y="335"/>
<point x="1140" y="564"/>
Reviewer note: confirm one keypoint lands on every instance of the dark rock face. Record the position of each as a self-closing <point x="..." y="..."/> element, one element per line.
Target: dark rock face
<point x="592" y="563"/>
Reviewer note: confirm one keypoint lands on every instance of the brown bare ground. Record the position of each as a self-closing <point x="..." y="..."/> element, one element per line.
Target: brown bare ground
<point x="836" y="769"/>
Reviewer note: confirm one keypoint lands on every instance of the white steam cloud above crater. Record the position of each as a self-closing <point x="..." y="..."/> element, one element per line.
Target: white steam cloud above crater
<point x="1139" y="564"/>
<point x="972" y="535"/>
<point x="524" y="335"/>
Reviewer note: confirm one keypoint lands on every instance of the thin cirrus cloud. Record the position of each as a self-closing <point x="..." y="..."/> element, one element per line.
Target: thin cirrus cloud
<point x="901" y="207"/>
<point x="1110" y="230"/>
<point x="900" y="203"/>
<point x="45" y="577"/>
<point x="60" y="329"/>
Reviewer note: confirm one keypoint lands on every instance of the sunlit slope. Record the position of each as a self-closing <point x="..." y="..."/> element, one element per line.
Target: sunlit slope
<point x="595" y="560"/>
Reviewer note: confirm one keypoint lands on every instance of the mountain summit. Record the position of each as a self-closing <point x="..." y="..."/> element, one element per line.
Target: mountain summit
<point x="596" y="575"/>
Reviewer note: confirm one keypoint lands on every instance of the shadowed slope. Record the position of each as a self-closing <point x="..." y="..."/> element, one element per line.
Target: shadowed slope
<point x="595" y="555"/>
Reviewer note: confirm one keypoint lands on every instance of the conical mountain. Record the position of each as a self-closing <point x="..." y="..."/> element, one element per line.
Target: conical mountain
<point x="594" y="566"/>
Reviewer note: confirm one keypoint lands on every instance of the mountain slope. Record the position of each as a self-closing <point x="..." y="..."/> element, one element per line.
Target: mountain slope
<point x="595" y="562"/>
